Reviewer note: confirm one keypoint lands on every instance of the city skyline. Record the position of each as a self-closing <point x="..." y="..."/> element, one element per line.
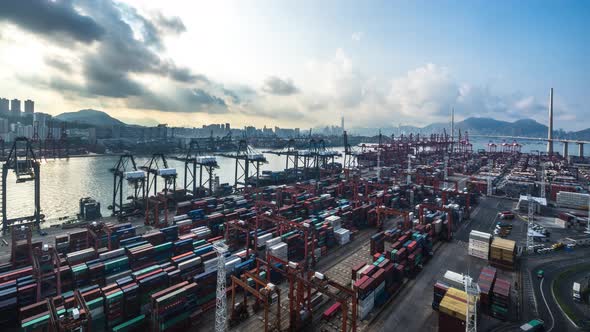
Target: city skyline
<point x="287" y="65"/>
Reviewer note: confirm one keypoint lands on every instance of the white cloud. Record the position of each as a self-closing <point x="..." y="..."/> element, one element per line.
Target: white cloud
<point x="424" y="92"/>
<point x="357" y="36"/>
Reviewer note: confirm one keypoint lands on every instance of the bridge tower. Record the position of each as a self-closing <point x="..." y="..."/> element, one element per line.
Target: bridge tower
<point x="550" y="126"/>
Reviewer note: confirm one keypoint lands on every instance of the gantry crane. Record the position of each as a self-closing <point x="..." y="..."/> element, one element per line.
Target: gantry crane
<point x="302" y="281"/>
<point x="126" y="169"/>
<point x="383" y="212"/>
<point x="262" y="291"/>
<point x="206" y="164"/>
<point x="26" y="167"/>
<point x="246" y="157"/>
<point x="156" y="167"/>
<point x="431" y="207"/>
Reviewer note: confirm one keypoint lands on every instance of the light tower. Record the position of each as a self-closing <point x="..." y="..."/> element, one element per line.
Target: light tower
<point x="446" y="171"/>
<point x="529" y="234"/>
<point x="489" y="186"/>
<point x="588" y="225"/>
<point x="550" y="127"/>
<point x="220" y="302"/>
<point x="543" y="180"/>
<point x="409" y="176"/>
<point x="379" y="164"/>
<point x="472" y="290"/>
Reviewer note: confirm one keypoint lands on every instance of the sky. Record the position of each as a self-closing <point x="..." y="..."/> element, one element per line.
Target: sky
<point x="299" y="63"/>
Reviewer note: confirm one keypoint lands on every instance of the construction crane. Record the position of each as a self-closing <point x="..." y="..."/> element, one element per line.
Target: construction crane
<point x="220" y="300"/>
<point x="529" y="232"/>
<point x="472" y="291"/>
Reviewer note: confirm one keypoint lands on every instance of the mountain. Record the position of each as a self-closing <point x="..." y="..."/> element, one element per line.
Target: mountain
<point x="488" y="126"/>
<point x="582" y="135"/>
<point x="91" y="117"/>
<point x="481" y="126"/>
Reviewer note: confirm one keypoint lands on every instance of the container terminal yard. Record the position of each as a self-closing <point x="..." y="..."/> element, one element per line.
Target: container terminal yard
<point x="413" y="232"/>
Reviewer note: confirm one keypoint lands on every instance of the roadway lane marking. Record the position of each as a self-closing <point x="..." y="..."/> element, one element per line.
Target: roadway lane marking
<point x="530" y="289"/>
<point x="547" y="305"/>
<point x="559" y="306"/>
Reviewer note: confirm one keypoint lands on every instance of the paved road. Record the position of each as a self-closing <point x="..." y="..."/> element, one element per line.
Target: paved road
<point x="412" y="308"/>
<point x="543" y="303"/>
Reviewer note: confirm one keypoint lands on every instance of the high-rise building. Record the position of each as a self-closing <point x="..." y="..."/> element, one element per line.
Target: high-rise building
<point x="29" y="106"/>
<point x="342" y="123"/>
<point x="42" y="118"/>
<point x="4" y="105"/>
<point x="227" y="127"/>
<point x="15" y="106"/>
<point x="4" y="126"/>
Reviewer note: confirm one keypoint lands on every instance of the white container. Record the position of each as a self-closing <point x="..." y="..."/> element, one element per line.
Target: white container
<point x="189" y="263"/>
<point x="206" y="159"/>
<point x="181" y="217"/>
<point x="454" y="279"/>
<point x="167" y="171"/>
<point x="134" y="175"/>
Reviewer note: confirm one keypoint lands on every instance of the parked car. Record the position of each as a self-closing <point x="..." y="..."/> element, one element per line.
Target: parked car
<point x="506" y="215"/>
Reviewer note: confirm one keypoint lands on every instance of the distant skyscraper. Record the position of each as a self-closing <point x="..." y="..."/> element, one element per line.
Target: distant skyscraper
<point x="4" y="126"/>
<point x="4" y="105"/>
<point x="42" y="118"/>
<point x="29" y="106"/>
<point x="227" y="127"/>
<point x="342" y="123"/>
<point x="15" y="106"/>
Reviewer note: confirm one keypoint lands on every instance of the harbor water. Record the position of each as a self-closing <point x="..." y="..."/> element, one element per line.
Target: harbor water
<point x="65" y="181"/>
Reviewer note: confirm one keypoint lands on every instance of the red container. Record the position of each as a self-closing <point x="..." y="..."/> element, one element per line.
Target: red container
<point x="359" y="282"/>
<point x="379" y="276"/>
<point x="403" y="239"/>
<point x="384" y="263"/>
<point x="357" y="268"/>
<point x="448" y="323"/>
<point x="412" y="246"/>
<point x="397" y="245"/>
<point x="328" y="314"/>
<point x="370" y="270"/>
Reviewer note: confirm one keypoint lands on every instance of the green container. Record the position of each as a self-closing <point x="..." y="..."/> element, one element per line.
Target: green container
<point x="130" y="324"/>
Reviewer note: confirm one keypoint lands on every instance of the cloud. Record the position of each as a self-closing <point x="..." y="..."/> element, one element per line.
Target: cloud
<point x="126" y="56"/>
<point x="58" y="63"/>
<point x="169" y="24"/>
<point x="357" y="36"/>
<point x="277" y="86"/>
<point x="336" y="82"/>
<point x="52" y="19"/>
<point x="425" y="91"/>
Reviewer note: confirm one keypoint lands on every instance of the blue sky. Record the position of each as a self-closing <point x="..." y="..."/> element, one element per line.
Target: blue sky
<point x="301" y="63"/>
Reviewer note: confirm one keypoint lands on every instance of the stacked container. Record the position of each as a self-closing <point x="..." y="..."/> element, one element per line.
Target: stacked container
<point x="500" y="299"/>
<point x="479" y="244"/>
<point x="486" y="280"/>
<point x="502" y="253"/>
<point x="342" y="236"/>
<point x="572" y="200"/>
<point x="452" y="311"/>
<point x="440" y="289"/>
